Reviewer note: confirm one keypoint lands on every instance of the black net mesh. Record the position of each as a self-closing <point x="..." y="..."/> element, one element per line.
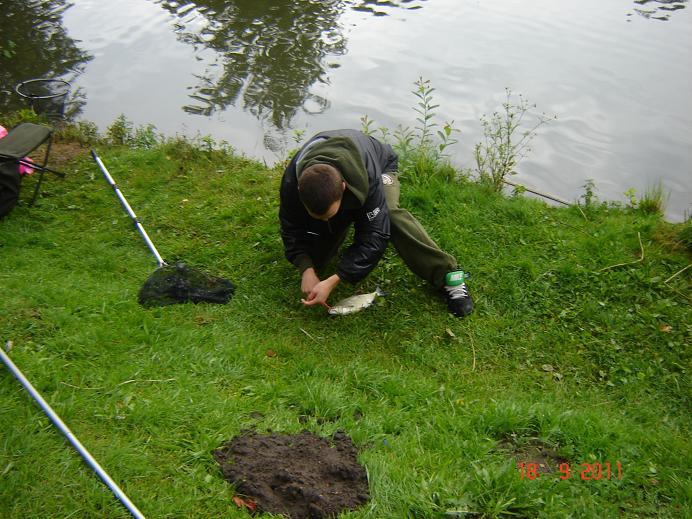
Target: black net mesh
<point x="178" y="283"/>
<point x="45" y="96"/>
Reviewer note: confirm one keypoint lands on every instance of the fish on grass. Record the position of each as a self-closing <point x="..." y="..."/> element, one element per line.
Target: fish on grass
<point x="356" y="303"/>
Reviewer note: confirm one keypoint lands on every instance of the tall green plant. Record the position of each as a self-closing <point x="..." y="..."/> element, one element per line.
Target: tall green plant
<point x="120" y="131"/>
<point x="425" y="109"/>
<point x="505" y="143"/>
<point x="589" y="195"/>
<point x="422" y="149"/>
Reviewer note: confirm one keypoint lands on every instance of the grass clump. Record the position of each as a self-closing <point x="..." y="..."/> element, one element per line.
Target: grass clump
<point x="654" y="200"/>
<point x="576" y="344"/>
<point x="685" y="234"/>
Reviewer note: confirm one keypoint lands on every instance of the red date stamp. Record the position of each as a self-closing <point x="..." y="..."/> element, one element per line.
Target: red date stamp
<point x="585" y="471"/>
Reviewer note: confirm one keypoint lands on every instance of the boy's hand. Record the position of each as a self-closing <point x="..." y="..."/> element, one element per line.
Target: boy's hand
<point x="308" y="281"/>
<point x="320" y="292"/>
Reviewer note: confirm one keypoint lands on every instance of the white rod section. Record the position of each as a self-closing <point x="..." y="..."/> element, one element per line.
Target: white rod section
<point x="129" y="210"/>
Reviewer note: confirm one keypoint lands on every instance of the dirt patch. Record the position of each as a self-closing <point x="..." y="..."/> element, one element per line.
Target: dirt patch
<point x="61" y="153"/>
<point x="64" y="152"/>
<point x="534" y="451"/>
<point x="299" y="476"/>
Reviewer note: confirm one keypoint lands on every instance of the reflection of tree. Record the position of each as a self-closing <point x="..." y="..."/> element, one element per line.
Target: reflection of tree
<point x="271" y="52"/>
<point x="35" y="44"/>
<point x="658" y="9"/>
<point x="379" y="7"/>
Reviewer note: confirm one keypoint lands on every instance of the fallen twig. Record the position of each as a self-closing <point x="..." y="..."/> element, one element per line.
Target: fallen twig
<point x="678" y="292"/>
<point x="120" y="384"/>
<point x="473" y="350"/>
<point x="641" y="247"/>
<point x="582" y="212"/>
<point x="79" y="387"/>
<point x="306" y="333"/>
<point x="677" y="273"/>
<point x="535" y="192"/>
<point x="146" y="380"/>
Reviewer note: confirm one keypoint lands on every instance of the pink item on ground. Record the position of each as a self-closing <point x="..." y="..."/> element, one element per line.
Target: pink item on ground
<point x="3" y="132"/>
<point x="25" y="169"/>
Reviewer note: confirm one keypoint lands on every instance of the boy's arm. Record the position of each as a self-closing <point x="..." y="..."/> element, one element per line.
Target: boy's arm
<point x="372" y="232"/>
<point x="293" y="219"/>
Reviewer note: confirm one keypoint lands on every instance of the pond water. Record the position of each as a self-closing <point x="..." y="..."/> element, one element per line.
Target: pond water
<point x="616" y="74"/>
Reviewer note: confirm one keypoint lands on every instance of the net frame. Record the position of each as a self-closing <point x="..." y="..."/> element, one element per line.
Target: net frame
<point x="46" y="96"/>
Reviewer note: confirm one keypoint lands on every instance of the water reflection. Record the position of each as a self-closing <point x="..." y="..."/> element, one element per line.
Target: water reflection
<point x="381" y="7"/>
<point x="658" y="9"/>
<point x="35" y="44"/>
<point x="268" y="54"/>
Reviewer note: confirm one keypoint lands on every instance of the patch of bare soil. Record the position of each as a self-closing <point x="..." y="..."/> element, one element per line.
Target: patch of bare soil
<point x="299" y="476"/>
<point x="61" y="153"/>
<point x="546" y="459"/>
<point x="64" y="152"/>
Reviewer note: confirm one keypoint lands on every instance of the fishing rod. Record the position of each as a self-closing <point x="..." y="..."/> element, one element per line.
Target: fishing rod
<point x="535" y="192"/>
<point x="112" y="485"/>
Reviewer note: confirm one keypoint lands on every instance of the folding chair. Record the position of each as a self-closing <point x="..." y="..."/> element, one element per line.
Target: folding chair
<point x="22" y="140"/>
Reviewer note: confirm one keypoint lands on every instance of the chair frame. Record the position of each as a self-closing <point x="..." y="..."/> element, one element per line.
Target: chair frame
<point x="19" y="158"/>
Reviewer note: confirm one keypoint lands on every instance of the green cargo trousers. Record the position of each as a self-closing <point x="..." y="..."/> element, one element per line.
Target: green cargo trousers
<point x="419" y="252"/>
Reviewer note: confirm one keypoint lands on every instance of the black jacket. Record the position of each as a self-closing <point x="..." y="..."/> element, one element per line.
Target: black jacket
<point x="363" y="203"/>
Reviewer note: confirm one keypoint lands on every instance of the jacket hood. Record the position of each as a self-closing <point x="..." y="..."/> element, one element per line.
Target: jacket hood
<point x="341" y="153"/>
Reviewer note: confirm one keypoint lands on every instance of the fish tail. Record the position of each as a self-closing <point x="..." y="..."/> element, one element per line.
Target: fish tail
<point x="379" y="291"/>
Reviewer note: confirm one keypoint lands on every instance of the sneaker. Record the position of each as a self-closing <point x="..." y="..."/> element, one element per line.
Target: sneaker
<point x="459" y="301"/>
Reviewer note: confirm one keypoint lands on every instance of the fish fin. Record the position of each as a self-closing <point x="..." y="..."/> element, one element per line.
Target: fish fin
<point x="380" y="292"/>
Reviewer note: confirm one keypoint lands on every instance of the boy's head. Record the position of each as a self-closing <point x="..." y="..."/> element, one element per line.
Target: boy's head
<point x="320" y="188"/>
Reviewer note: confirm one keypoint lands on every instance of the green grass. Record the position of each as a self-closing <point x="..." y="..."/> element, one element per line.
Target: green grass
<point x="590" y="358"/>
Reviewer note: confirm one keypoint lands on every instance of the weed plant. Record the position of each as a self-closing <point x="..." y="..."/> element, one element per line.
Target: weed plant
<point x="123" y="132"/>
<point x="685" y="235"/>
<point x="422" y="150"/>
<point x="26" y="115"/>
<point x="505" y="143"/>
<point x="81" y="132"/>
<point x="579" y="343"/>
<point x="654" y="200"/>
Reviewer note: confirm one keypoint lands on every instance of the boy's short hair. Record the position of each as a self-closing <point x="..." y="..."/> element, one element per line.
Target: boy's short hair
<point x="319" y="186"/>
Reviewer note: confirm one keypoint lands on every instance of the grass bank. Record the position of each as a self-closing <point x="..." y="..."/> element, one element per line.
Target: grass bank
<point x="578" y="351"/>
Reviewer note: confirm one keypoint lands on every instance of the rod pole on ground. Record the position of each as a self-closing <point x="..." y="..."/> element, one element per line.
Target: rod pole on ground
<point x="544" y="195"/>
<point x="112" y="485"/>
<point x="128" y="209"/>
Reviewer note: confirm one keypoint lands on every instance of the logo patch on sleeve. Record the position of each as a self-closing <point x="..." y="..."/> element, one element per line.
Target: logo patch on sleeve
<point x="373" y="214"/>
